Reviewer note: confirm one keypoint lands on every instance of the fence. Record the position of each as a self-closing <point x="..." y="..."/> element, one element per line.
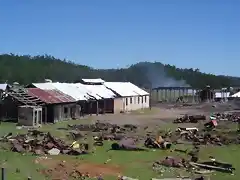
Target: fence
<point x="4" y="175"/>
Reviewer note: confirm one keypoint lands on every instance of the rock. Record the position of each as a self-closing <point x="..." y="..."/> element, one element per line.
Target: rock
<point x="54" y="151"/>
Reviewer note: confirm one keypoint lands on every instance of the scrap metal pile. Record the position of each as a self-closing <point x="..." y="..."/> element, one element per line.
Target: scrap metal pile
<point x="41" y="143"/>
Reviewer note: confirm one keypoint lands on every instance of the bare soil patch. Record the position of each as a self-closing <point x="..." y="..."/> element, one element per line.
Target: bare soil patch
<point x="61" y="170"/>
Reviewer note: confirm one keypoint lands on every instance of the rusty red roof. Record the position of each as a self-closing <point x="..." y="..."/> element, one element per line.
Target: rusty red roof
<point x="50" y="96"/>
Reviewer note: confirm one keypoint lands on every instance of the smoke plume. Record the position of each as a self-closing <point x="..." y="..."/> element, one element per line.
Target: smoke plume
<point x="157" y="76"/>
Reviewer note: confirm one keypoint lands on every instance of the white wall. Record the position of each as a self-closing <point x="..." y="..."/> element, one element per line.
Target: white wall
<point x="136" y="102"/>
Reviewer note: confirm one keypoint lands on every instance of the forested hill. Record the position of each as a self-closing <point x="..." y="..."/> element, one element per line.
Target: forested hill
<point x="27" y="69"/>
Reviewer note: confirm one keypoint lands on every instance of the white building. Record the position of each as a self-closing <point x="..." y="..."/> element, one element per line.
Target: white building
<point x="130" y="97"/>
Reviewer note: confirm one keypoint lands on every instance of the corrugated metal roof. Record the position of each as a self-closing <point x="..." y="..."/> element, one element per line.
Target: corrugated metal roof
<point x="100" y="91"/>
<point x="137" y="89"/>
<point x="70" y="89"/>
<point x="125" y="89"/>
<point x="50" y="96"/>
<point x="3" y="87"/>
<point x="45" y="86"/>
<point x="80" y="91"/>
<point x="98" y="80"/>
<point x="77" y="93"/>
<point x="89" y="93"/>
<point x="61" y="96"/>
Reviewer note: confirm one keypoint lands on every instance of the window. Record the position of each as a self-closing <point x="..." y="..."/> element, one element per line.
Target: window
<point x="145" y="99"/>
<point x="138" y="100"/>
<point x="142" y="99"/>
<point x="126" y="101"/>
<point x="131" y="100"/>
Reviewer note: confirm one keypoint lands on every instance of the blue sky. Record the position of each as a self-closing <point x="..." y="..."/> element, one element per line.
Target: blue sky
<point x="202" y="34"/>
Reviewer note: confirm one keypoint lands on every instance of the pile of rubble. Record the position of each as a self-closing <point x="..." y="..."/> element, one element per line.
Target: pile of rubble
<point x="42" y="143"/>
<point x="189" y="119"/>
<point x="100" y="127"/>
<point x="104" y="131"/>
<point x="234" y="116"/>
<point x="191" y="166"/>
<point x="204" y="137"/>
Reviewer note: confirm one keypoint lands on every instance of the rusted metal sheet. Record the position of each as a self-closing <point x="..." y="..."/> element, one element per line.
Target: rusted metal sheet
<point x="50" y="96"/>
<point x="61" y="96"/>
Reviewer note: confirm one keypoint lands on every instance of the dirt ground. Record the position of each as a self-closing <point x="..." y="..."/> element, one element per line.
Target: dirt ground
<point x="163" y="113"/>
<point x="59" y="170"/>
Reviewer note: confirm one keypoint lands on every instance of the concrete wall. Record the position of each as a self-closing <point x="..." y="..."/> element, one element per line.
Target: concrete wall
<point x="66" y="111"/>
<point x="118" y="105"/>
<point x="136" y="102"/>
<point x="130" y="103"/>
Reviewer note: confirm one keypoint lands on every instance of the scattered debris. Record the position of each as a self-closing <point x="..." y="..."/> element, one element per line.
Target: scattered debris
<point x="158" y="143"/>
<point x="124" y="138"/>
<point x="229" y="116"/>
<point x="190" y="119"/>
<point x="170" y="162"/>
<point x="127" y="178"/>
<point x="127" y="144"/>
<point x="42" y="143"/>
<point x="54" y="151"/>
<point x="211" y="125"/>
<point x="214" y="165"/>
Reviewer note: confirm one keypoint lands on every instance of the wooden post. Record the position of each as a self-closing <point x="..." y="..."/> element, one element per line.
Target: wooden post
<point x="97" y="108"/>
<point x="3" y="174"/>
<point x="150" y="98"/>
<point x="45" y="120"/>
<point x="104" y="106"/>
<point x="90" y="108"/>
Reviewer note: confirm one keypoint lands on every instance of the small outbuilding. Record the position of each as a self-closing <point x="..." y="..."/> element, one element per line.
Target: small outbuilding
<point x="30" y="116"/>
<point x="13" y="99"/>
<point x="58" y="106"/>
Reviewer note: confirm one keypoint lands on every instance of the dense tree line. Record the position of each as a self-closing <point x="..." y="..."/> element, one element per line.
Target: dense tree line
<point x="27" y="69"/>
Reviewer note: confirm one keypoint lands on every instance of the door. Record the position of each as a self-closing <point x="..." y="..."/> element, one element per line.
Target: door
<point x="50" y="114"/>
<point x="39" y="117"/>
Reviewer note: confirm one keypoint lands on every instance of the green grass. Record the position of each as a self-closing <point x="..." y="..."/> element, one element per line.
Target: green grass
<point x="134" y="164"/>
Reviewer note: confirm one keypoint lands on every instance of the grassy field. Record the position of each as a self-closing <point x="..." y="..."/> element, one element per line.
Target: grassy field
<point x="133" y="164"/>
